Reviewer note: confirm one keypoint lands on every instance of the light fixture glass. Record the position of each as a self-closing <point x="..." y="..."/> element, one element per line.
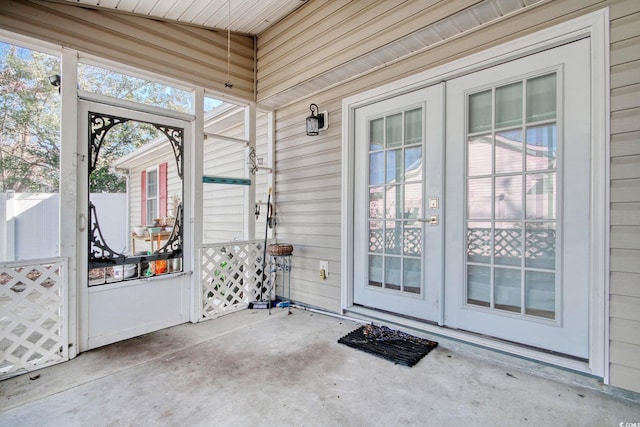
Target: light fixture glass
<point x="313" y="125"/>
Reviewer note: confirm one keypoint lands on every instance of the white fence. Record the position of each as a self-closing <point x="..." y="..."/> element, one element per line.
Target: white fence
<point x="231" y="275"/>
<point x="29" y="223"/>
<point x="33" y="315"/>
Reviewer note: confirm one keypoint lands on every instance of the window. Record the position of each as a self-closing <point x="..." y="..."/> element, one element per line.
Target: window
<point x="511" y="197"/>
<point x="395" y="201"/>
<point x="29" y="154"/>
<point x="122" y="86"/>
<point x="152" y="196"/>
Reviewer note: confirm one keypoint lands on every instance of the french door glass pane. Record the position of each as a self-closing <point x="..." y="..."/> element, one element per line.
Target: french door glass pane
<point x="413" y="200"/>
<point x="394" y="201"/>
<point x="376" y="202"/>
<point x="479" y="242"/>
<point x="376" y="134"/>
<point x="375" y="270"/>
<point x="479" y="155"/>
<point x="394" y="130"/>
<point x="411" y="275"/>
<point x="392" y="272"/>
<point x="413" y="164"/>
<point x="480" y="111"/>
<point x="540" y="294"/>
<point x="511" y="197"/>
<point x="479" y="198"/>
<point x="541" y="98"/>
<point x="540" y="245"/>
<point x="541" y="196"/>
<point x="509" y="151"/>
<point x="412" y="238"/>
<point x="507" y="245"/>
<point x="376" y="168"/>
<point x="479" y="285"/>
<point x="393" y="237"/>
<point x="509" y="105"/>
<point x="508" y="196"/>
<point x="507" y="289"/>
<point x="394" y="166"/>
<point x="376" y="236"/>
<point x="413" y="126"/>
<point x="541" y="147"/>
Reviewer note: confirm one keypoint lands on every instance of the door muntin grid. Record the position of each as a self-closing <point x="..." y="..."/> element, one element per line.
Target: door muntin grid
<point x="512" y="197"/>
<point x="395" y="188"/>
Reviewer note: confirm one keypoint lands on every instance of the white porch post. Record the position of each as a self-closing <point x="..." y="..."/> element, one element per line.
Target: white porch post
<point x="71" y="219"/>
<point x="250" y="191"/>
<point x="197" y="154"/>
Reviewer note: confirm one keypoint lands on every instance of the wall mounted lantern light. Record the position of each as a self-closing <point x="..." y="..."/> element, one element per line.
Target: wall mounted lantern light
<point x="317" y="121"/>
<point x="55" y="81"/>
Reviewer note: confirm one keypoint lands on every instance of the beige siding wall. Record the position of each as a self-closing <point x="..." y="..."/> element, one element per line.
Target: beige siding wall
<point x="308" y="169"/>
<point x="625" y="195"/>
<point x="188" y="53"/>
<point x="223" y="210"/>
<point x="223" y="205"/>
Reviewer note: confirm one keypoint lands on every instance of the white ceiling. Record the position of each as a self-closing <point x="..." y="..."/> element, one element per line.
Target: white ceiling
<point x="247" y="16"/>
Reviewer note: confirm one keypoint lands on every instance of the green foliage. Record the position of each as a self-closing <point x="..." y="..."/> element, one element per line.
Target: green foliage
<point x="121" y="86"/>
<point x="121" y="140"/>
<point x="30" y="120"/>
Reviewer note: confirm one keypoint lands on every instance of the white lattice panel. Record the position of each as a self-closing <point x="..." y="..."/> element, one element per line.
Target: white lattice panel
<point x="231" y="276"/>
<point x="32" y="316"/>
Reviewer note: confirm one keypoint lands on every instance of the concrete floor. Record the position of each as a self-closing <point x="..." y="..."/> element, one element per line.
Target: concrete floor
<point x="252" y="369"/>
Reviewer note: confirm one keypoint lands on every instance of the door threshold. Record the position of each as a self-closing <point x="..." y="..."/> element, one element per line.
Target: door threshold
<point x="462" y="340"/>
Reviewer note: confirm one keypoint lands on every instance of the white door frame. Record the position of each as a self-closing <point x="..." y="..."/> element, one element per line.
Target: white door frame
<point x="594" y="25"/>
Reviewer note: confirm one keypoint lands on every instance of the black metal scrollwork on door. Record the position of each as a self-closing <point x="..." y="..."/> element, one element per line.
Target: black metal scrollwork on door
<point x="100" y="253"/>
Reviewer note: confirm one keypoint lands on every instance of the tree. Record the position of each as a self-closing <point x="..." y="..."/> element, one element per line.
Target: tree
<point x="30" y="120"/>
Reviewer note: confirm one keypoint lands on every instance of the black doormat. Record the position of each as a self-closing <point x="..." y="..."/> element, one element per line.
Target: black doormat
<point x="395" y="346"/>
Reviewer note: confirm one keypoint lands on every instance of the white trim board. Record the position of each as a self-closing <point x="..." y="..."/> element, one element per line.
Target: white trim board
<point x="594" y="25"/>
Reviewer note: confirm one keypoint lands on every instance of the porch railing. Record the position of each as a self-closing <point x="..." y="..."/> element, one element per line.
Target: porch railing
<point x="33" y="315"/>
<point x="231" y="276"/>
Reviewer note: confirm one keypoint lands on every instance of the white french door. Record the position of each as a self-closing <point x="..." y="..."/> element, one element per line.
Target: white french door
<point x="506" y="255"/>
<point x="398" y="233"/>
<point x="518" y="186"/>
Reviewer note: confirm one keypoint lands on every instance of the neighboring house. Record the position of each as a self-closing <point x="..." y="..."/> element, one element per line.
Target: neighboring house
<point x="563" y="74"/>
<point x="154" y="186"/>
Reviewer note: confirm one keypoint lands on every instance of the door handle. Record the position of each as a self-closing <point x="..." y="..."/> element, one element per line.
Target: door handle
<point x="433" y="220"/>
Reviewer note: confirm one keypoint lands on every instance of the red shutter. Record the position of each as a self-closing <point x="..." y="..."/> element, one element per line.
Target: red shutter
<point x="162" y="182"/>
<point x="143" y="197"/>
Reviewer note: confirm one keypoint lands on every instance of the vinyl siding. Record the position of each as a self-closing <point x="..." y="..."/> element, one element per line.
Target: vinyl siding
<point x="308" y="169"/>
<point x="223" y="212"/>
<point x="625" y="195"/>
<point x="188" y="53"/>
<point x="223" y="205"/>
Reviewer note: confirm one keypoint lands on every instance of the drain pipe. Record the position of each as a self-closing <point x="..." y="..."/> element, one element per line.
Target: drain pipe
<point x="329" y="313"/>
